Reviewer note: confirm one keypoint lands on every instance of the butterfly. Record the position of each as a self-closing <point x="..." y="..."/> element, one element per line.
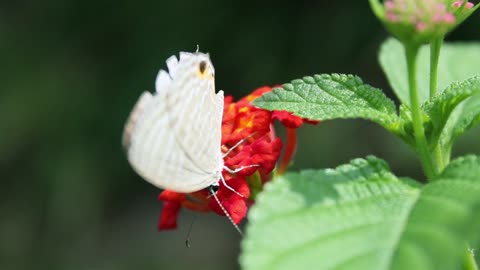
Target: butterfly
<point x="173" y="136"/>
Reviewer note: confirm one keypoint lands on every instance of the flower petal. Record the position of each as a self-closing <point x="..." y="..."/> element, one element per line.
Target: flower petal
<point x="263" y="152"/>
<point x="168" y="195"/>
<point x="235" y="205"/>
<point x="169" y="215"/>
<point x="288" y="119"/>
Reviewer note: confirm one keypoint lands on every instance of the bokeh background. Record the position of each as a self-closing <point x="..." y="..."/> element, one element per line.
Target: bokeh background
<point x="70" y="72"/>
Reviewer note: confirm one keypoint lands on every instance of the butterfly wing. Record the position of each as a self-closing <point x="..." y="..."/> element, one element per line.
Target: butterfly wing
<point x="173" y="136"/>
<point x="196" y="110"/>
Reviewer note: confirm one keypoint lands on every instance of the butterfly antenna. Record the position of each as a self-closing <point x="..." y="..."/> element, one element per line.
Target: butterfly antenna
<point x="212" y="192"/>
<point x="187" y="238"/>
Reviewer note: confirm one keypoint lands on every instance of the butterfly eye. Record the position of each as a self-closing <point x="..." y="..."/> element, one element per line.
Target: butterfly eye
<point x="202" y="67"/>
<point x="202" y="70"/>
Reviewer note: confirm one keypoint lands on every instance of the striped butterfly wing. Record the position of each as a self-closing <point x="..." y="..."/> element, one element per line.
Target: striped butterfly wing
<point x="170" y="141"/>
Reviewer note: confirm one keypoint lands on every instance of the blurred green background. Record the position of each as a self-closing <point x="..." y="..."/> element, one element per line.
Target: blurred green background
<point x="70" y="73"/>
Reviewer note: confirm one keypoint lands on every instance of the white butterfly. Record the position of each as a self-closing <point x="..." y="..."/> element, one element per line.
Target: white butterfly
<point x="173" y="137"/>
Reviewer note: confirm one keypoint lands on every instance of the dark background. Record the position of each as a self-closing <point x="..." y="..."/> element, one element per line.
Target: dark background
<point x="70" y="72"/>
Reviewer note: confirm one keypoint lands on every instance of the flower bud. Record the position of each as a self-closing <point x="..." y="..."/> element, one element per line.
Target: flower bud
<point x="420" y="21"/>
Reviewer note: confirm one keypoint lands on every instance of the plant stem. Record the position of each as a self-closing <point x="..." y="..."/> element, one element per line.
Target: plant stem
<point x="439" y="158"/>
<point x="411" y="52"/>
<point x="470" y="263"/>
<point x="435" y="47"/>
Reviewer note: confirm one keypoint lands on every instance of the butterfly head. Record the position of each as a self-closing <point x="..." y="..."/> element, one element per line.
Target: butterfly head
<point x="203" y="67"/>
<point x="195" y="64"/>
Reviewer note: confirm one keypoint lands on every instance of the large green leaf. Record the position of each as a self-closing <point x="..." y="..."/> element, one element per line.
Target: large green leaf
<point x="360" y="216"/>
<point x="458" y="61"/>
<point x="447" y="120"/>
<point x="324" y="97"/>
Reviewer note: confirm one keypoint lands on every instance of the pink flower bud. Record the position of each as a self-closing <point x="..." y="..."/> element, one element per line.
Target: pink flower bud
<point x="389" y="5"/>
<point x="458" y="4"/>
<point x="420" y="26"/>
<point x="392" y="17"/>
<point x="449" y="18"/>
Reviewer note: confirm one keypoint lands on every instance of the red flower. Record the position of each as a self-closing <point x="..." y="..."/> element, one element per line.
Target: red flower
<point x="241" y="120"/>
<point x="169" y="215"/>
<point x="173" y="201"/>
<point x="261" y="148"/>
<point x="263" y="152"/>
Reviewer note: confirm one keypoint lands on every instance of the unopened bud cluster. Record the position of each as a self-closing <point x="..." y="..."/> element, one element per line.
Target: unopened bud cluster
<point x="419" y="21"/>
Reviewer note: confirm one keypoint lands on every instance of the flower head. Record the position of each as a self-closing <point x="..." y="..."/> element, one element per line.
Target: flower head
<point x="420" y="21"/>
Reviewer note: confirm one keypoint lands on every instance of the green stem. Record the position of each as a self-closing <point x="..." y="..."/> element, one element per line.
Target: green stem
<point x="439" y="158"/>
<point x="470" y="263"/>
<point x="447" y="153"/>
<point x="411" y="52"/>
<point x="435" y="47"/>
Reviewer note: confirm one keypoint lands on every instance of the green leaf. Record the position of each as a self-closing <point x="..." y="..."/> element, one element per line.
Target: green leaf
<point x="360" y="216"/>
<point x="464" y="116"/>
<point x="377" y="8"/>
<point x="458" y="61"/>
<point x="325" y="97"/>
<point x="448" y="123"/>
<point x="469" y="116"/>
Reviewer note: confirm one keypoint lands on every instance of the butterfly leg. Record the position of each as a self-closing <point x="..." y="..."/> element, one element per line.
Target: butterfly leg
<point x="237" y="144"/>
<point x="239" y="168"/>
<point x="229" y="187"/>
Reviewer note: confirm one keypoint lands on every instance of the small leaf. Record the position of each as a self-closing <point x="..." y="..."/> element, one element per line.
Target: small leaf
<point x="325" y="97"/>
<point x="360" y="216"/>
<point x="469" y="116"/>
<point x="377" y="8"/>
<point x="441" y="109"/>
<point x="458" y="61"/>
<point x="464" y="116"/>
